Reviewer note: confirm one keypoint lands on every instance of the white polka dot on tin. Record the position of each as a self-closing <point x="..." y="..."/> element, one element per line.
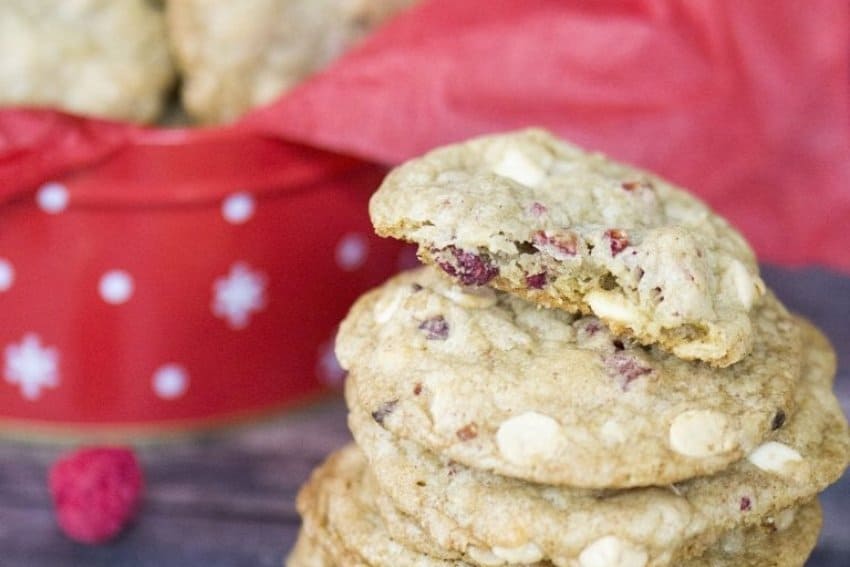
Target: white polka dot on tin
<point x="170" y="381"/>
<point x="238" y="208"/>
<point x="7" y="275"/>
<point x="52" y="198"/>
<point x="116" y="287"/>
<point x="351" y="251"/>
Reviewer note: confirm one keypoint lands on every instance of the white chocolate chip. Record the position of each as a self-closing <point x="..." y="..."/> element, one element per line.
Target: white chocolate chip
<point x="528" y="437"/>
<point x="703" y="350"/>
<point x="483" y="556"/>
<point x="611" y="551"/>
<point x="774" y="457"/>
<point x="746" y="288"/>
<point x="528" y="553"/>
<point x="701" y="433"/>
<point x="612" y="432"/>
<point x="611" y="306"/>
<point x="386" y="307"/>
<point x="473" y="297"/>
<point x="517" y="166"/>
<point x="783" y="520"/>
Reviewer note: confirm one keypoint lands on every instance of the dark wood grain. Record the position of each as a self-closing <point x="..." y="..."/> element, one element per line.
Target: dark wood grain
<point x="227" y="499"/>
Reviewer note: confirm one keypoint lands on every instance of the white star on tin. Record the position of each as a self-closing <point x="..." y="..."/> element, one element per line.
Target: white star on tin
<point x="239" y="294"/>
<point x="32" y="366"/>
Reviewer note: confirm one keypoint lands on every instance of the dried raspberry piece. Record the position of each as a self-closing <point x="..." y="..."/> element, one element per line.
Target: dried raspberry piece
<point x="536" y="281"/>
<point x="746" y="504"/>
<point x="467" y="267"/>
<point x="417" y="388"/>
<point x="561" y="245"/>
<point x="97" y="492"/>
<point x="538" y="209"/>
<point x="380" y="414"/>
<point x="436" y="328"/>
<point x="468" y="432"/>
<point x="625" y="368"/>
<point x="619" y="240"/>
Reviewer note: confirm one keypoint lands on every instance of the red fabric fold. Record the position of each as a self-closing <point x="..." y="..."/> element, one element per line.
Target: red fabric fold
<point x="746" y="104"/>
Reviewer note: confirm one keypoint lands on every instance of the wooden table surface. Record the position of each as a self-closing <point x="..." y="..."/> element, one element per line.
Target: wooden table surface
<point x="228" y="499"/>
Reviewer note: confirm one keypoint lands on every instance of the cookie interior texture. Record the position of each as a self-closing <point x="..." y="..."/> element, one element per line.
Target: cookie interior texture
<point x="498" y="383"/>
<point x="343" y="527"/>
<point x="94" y="57"/>
<point x="527" y="213"/>
<point x="461" y="507"/>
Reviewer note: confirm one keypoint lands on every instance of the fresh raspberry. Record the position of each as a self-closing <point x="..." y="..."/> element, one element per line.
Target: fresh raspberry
<point x="97" y="492"/>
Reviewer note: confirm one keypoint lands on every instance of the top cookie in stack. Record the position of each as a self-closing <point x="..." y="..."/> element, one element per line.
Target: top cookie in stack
<point x="560" y="227"/>
<point x="590" y="373"/>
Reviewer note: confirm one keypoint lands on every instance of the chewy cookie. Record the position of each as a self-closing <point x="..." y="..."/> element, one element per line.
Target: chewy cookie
<point x="239" y="55"/>
<point x="484" y="515"/>
<point x="343" y="527"/>
<point x="529" y="214"/>
<point x="495" y="382"/>
<point x="97" y="57"/>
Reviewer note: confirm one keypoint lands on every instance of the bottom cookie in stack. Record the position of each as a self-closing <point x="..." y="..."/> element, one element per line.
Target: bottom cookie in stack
<point x="342" y="527"/>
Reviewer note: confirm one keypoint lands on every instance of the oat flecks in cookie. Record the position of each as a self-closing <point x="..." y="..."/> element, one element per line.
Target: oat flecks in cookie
<point x="555" y="397"/>
<point x="526" y="213"/>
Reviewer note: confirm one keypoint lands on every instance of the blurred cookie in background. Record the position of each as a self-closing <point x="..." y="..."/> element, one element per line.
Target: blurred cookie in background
<point x="94" y="57"/>
<point x="235" y="56"/>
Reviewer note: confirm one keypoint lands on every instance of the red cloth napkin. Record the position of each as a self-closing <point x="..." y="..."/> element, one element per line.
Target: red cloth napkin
<point x="744" y="103"/>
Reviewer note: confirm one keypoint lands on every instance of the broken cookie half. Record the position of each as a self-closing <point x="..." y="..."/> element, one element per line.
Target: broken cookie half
<point x="526" y="213"/>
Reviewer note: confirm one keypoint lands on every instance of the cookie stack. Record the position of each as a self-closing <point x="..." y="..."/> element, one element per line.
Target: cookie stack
<point x="588" y="372"/>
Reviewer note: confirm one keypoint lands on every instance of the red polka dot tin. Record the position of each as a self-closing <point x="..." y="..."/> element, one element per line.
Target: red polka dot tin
<point x="182" y="280"/>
